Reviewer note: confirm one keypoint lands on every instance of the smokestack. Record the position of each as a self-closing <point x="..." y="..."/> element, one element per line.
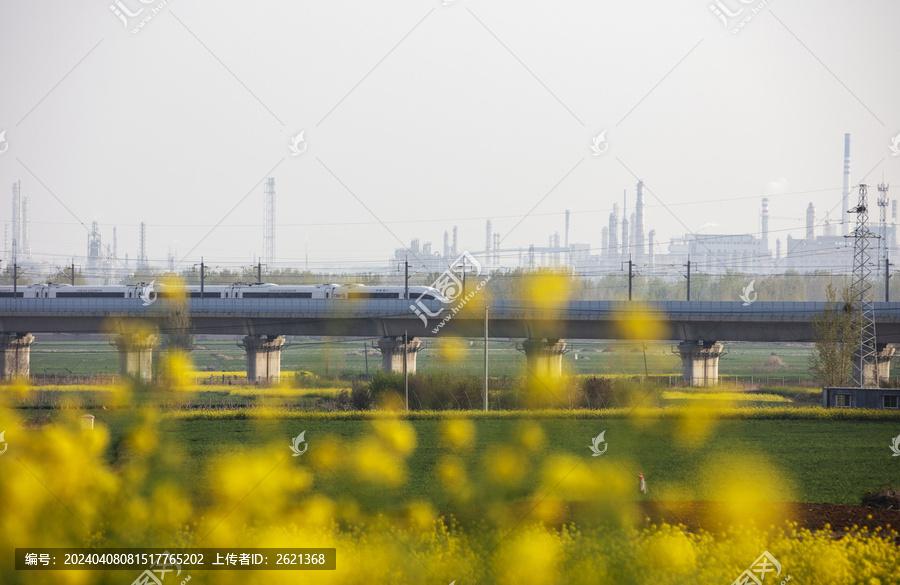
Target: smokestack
<point x="142" y="251"/>
<point x="811" y="222"/>
<point x="632" y="236"/>
<point x="638" y="225"/>
<point x="614" y="230"/>
<point x="764" y="222"/>
<point x="777" y="249"/>
<point x="845" y="222"/>
<point x="497" y="249"/>
<point x="488" y="240"/>
<point x="567" y="230"/>
<point x="453" y="249"/>
<point x="26" y="229"/>
<point x="446" y="244"/>
<point x="269" y="222"/>
<point x="16" y="217"/>
<point x="604" y="241"/>
<point x="828" y="228"/>
<point x="652" y="236"/>
<point x="487" y="243"/>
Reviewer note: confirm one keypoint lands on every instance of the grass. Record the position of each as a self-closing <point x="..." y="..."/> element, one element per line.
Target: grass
<point x="331" y="358"/>
<point x="855" y="455"/>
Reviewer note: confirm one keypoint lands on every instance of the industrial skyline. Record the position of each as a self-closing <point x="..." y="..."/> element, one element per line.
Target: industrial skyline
<point x="819" y="248"/>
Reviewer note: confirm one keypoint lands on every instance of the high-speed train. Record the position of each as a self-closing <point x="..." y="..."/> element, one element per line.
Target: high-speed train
<point x="150" y="292"/>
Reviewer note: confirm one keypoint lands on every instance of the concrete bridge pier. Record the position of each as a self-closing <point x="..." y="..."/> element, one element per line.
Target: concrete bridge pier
<point x="544" y="357"/>
<point x="15" y="355"/>
<point x="263" y="357"/>
<point x="136" y="354"/>
<point x="882" y="366"/>
<point x="700" y="362"/>
<point x="392" y="349"/>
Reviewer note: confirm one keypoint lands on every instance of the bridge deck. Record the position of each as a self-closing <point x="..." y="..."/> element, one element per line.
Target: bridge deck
<point x="668" y="320"/>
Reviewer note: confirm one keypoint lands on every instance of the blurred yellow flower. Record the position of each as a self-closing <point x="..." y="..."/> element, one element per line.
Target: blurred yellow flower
<point x="504" y="466"/>
<point x="457" y="434"/>
<point x="374" y="463"/>
<point x="530" y="435"/>
<point x="640" y="323"/>
<point x="398" y="435"/>
<point x="532" y="556"/>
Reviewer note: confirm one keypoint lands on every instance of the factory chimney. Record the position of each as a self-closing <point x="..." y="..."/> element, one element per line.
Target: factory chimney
<point x="828" y="227"/>
<point x="453" y="250"/>
<point x="845" y="222"/>
<point x="269" y="222"/>
<point x="614" y="230"/>
<point x="487" y="243"/>
<point x="764" y="223"/>
<point x="810" y="222"/>
<point x="497" y="249"/>
<point x="446" y="244"/>
<point x="16" y="217"/>
<point x="604" y="241"/>
<point x="26" y="229"/>
<point x="638" y="226"/>
<point x="652" y="236"/>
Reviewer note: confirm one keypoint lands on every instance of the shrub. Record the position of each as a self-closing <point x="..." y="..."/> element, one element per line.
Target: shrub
<point x="884" y="497"/>
<point x="360" y="396"/>
<point x="597" y="392"/>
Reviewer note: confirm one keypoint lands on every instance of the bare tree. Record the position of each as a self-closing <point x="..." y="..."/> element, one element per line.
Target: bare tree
<point x="176" y="325"/>
<point x="836" y="337"/>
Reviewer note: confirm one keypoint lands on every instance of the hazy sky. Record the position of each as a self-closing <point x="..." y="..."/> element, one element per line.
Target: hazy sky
<point x="425" y="116"/>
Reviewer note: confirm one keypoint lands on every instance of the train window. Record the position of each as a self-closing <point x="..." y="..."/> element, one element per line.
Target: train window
<point x="10" y="294"/>
<point x="277" y="295"/>
<point x="326" y="295"/>
<point x="90" y="295"/>
<point x="426" y="298"/>
<point x="374" y="295"/>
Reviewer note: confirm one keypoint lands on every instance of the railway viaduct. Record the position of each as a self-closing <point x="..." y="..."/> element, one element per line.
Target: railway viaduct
<point x="700" y="327"/>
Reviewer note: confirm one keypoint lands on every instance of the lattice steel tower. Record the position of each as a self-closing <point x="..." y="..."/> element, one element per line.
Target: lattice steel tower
<point x="142" y="251"/>
<point x="269" y="223"/>
<point x="861" y="293"/>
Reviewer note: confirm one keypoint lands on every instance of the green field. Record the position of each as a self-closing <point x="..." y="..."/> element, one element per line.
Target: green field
<point x="337" y="357"/>
<point x="855" y="455"/>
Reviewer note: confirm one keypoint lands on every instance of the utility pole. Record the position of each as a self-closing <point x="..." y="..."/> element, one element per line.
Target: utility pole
<point x="485" y="358"/>
<point x="259" y="273"/>
<point x="406" y="282"/>
<point x="405" y="371"/>
<point x="15" y="280"/>
<point x="366" y="353"/>
<point x="202" y="276"/>
<point x="630" y="275"/>
<point x="464" y="278"/>
<point x="688" y="278"/>
<point x="887" y="280"/>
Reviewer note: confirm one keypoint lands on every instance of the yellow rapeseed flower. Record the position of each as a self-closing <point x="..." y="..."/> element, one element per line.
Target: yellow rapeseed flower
<point x="457" y="434"/>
